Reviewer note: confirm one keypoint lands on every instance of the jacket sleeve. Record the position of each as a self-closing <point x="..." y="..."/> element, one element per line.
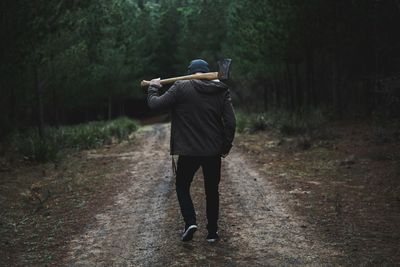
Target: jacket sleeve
<point x="229" y="121"/>
<point x="165" y="101"/>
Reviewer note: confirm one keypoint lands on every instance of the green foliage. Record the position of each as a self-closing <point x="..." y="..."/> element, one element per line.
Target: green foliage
<point x="284" y="121"/>
<point x="30" y="146"/>
<point x="78" y="137"/>
<point x="252" y="122"/>
<point x="242" y="121"/>
<point x="121" y="128"/>
<point x="298" y="123"/>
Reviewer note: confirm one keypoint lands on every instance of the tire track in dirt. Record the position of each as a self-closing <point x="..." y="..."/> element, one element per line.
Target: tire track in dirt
<point x="262" y="227"/>
<point x="125" y="233"/>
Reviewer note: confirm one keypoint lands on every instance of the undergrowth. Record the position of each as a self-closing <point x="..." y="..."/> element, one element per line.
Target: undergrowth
<point x="30" y="146"/>
<point x="284" y="121"/>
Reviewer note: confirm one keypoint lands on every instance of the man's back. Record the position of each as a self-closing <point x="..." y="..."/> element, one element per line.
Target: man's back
<point x="203" y="121"/>
<point x="197" y="125"/>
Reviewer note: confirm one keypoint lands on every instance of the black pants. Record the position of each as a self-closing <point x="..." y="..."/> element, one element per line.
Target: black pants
<point x="187" y="167"/>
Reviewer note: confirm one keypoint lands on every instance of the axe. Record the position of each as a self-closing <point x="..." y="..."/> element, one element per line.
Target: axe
<point x="222" y="74"/>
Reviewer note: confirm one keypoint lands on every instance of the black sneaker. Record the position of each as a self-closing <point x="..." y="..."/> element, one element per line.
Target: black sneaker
<point x="212" y="237"/>
<point x="188" y="232"/>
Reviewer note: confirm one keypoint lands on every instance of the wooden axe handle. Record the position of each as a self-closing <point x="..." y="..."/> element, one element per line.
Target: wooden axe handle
<point x="198" y="76"/>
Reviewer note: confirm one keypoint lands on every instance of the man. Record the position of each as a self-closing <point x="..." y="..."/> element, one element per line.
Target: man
<point x="202" y="130"/>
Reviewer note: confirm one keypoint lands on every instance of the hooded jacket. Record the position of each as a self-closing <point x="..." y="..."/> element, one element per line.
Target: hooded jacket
<point x="203" y="122"/>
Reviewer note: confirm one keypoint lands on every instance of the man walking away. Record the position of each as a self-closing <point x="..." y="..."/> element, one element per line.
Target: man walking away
<point x="202" y="130"/>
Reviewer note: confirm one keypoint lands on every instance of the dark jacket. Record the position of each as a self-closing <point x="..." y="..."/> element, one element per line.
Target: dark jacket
<point x="203" y="120"/>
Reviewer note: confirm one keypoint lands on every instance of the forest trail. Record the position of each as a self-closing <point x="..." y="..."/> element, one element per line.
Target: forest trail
<point x="141" y="226"/>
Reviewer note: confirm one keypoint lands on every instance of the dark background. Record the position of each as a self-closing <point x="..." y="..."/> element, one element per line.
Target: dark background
<point x="71" y="61"/>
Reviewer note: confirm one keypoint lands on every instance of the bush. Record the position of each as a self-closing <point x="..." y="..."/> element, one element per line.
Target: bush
<point x="31" y="146"/>
<point x="251" y="122"/>
<point x="284" y="121"/>
<point x="121" y="128"/>
<point x="299" y="123"/>
<point x="242" y="121"/>
<point x="259" y="122"/>
<point x="83" y="136"/>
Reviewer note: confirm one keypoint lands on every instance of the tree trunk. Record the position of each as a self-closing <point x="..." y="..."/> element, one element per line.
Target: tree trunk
<point x="335" y="93"/>
<point x="122" y="108"/>
<point x="14" y="112"/>
<point x="335" y="65"/>
<point x="55" y="108"/>
<point x="298" y="94"/>
<point x="39" y="104"/>
<point x="277" y="94"/>
<point x="87" y="116"/>
<point x="311" y="94"/>
<point x="265" y="94"/>
<point x="109" y="107"/>
<point x="289" y="93"/>
<point x="276" y="89"/>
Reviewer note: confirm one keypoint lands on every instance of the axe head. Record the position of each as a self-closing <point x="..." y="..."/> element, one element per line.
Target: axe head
<point x="224" y="65"/>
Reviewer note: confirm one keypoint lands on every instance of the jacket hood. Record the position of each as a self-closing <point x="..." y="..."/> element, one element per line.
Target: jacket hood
<point x="209" y="87"/>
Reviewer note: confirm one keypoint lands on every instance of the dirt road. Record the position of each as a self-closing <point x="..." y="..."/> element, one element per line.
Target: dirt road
<point x="142" y="225"/>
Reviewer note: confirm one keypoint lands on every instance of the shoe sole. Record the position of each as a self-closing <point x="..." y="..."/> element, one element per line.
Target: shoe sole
<point x="188" y="235"/>
<point x="212" y="240"/>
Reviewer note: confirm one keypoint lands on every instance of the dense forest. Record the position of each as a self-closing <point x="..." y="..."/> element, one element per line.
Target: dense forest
<point x="69" y="61"/>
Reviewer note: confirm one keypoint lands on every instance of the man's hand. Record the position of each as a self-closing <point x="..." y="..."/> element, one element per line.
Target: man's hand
<point x="225" y="150"/>
<point x="156" y="83"/>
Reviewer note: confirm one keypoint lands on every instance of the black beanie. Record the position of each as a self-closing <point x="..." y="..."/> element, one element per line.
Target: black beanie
<point x="198" y="65"/>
